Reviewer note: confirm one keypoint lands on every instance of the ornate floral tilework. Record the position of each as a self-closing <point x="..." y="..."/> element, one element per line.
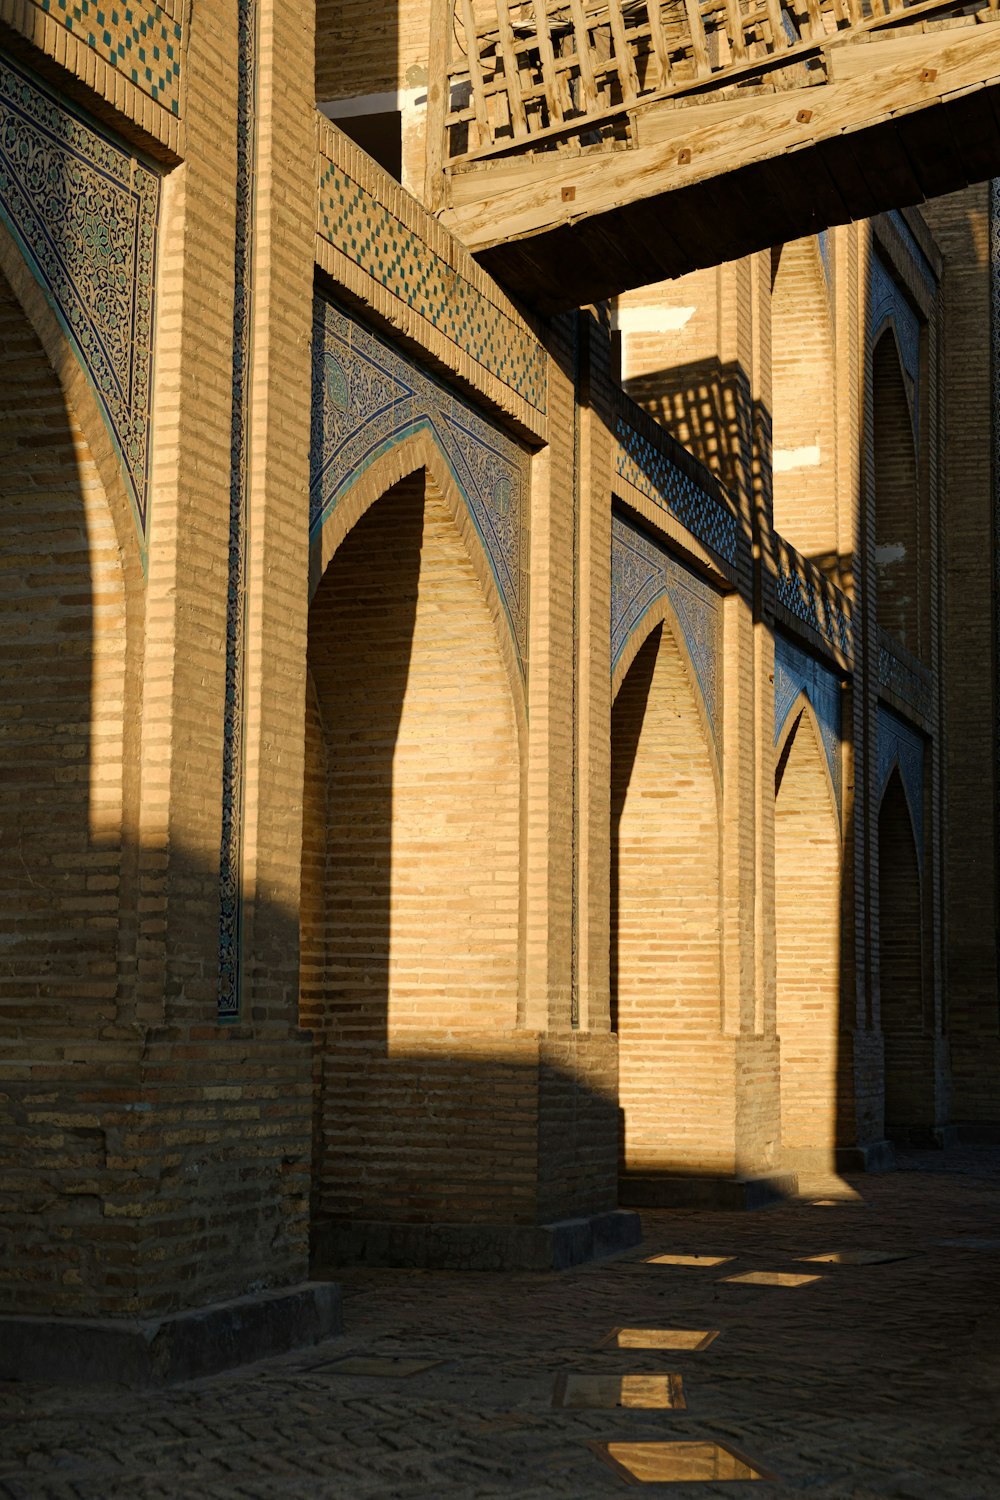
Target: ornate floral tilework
<point x="85" y="213"/>
<point x="801" y="595"/>
<point x="901" y="745"/>
<point x="888" y="307"/>
<point x="142" y="40"/>
<point x="795" y="672"/>
<point x="642" y="573"/>
<point x="649" y="470"/>
<point x="400" y="260"/>
<point x="368" y="397"/>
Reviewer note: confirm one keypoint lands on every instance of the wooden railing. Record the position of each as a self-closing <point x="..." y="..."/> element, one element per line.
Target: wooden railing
<point x="566" y="74"/>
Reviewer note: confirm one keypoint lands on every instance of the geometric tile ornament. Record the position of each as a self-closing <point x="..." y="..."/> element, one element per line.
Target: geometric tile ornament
<point x="642" y="573"/>
<point x="399" y="259"/>
<point x="920" y="260"/>
<point x="85" y="213"/>
<point x="798" y="591"/>
<point x="645" y="466"/>
<point x="233" y="738"/>
<point x="367" y="397"/>
<point x="888" y="307"/>
<point x="901" y="745"/>
<point x="142" y="40"/>
<point x="909" y="681"/>
<point x="796" y="672"/>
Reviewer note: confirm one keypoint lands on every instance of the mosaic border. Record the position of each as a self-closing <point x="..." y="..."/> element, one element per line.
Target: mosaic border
<point x="796" y="672"/>
<point x="643" y="464"/>
<point x="398" y="259"/>
<point x="642" y="573"/>
<point x="142" y="41"/>
<point x="911" y="684"/>
<point x="814" y="601"/>
<point x="85" y="212"/>
<point x="368" y="397"/>
<point x="234" y="736"/>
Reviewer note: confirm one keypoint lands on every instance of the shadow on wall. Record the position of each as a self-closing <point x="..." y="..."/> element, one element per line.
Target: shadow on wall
<point x="705" y="406"/>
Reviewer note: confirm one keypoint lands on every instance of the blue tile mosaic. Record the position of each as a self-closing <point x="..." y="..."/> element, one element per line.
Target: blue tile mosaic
<point x="641" y="574"/>
<point x="86" y="212"/>
<point x="143" y="41"/>
<point x="908" y="681"/>
<point x="646" y="467"/>
<point x="796" y="672"/>
<point x="234" y="723"/>
<point x="899" y="744"/>
<point x="805" y="598"/>
<point x="400" y="260"/>
<point x="368" y="397"/>
<point x="888" y="307"/>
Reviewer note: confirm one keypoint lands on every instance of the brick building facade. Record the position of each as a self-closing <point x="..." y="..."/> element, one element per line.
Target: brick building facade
<point x="465" y="775"/>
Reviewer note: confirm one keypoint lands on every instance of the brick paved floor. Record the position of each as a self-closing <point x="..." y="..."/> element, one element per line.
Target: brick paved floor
<point x="876" y="1380"/>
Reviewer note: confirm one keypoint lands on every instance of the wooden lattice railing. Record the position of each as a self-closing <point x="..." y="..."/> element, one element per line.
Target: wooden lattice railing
<point x="559" y="74"/>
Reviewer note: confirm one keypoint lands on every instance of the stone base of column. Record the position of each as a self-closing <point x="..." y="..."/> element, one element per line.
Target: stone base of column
<point x="721" y="1193"/>
<point x="160" y="1351"/>
<point x="475" y="1247"/>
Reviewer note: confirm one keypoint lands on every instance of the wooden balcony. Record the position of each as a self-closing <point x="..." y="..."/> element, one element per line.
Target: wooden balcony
<point x="582" y="147"/>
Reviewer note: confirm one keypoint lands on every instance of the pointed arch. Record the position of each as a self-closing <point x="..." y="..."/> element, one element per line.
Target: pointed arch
<point x="802" y="708"/>
<point x="909" y="1061"/>
<point x="898" y="550"/>
<point x="660" y="614"/>
<point x="803" y="396"/>
<point x="421" y="452"/>
<point x="807" y="863"/>
<point x="411" y="916"/>
<point x="675" y="1087"/>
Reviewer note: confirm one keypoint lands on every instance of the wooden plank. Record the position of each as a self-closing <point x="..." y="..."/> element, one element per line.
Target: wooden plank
<point x="699" y="45"/>
<point x="581" y="33"/>
<point x="658" y="43"/>
<point x="512" y="72"/>
<point x="547" y="57"/>
<point x="785" y="122"/>
<point x="734" y="27"/>
<point x="933" y="152"/>
<point x="974" y="121"/>
<point x="624" y="61"/>
<point x="438" y="101"/>
<point x="476" y="72"/>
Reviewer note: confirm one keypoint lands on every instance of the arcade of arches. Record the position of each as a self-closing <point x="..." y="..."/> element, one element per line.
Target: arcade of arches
<point x="463" y="778"/>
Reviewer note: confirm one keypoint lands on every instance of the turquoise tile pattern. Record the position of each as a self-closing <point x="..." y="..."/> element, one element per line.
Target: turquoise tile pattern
<point x="367" y="397"/>
<point x="803" y="596"/>
<point x="397" y="258"/>
<point x="142" y="41"/>
<point x="85" y="212"/>
<point x="648" y="468"/>
<point x="642" y="573"/>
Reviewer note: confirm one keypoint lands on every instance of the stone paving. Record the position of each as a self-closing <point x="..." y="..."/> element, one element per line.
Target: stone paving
<point x="876" y="1379"/>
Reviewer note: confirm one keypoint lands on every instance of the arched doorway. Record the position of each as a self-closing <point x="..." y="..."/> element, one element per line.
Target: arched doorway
<point x="410" y="899"/>
<point x="675" y="1067"/>
<point x="897" y="502"/>
<point x="63" y="710"/>
<point x="909" y="1082"/>
<point x="807" y="874"/>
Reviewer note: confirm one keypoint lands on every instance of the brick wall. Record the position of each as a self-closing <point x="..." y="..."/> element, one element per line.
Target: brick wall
<point x="675" y="1077"/>
<point x="804" y="392"/>
<point x="411" y="902"/>
<point x="807" y="922"/>
<point x="909" y="1080"/>
<point x="897" y="532"/>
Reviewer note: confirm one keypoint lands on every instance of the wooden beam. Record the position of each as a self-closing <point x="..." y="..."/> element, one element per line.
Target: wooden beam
<point x="560" y="191"/>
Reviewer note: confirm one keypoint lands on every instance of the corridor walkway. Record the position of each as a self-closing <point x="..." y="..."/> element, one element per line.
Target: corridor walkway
<point x="876" y="1379"/>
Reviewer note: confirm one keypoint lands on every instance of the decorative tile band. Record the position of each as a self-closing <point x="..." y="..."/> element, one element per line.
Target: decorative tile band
<point x="86" y="212"/>
<point x="902" y="746"/>
<point x="368" y="397"/>
<point x="803" y="591"/>
<point x="642" y="573"/>
<point x="796" y="672"/>
<point x="398" y="258"/>
<point x="920" y="260"/>
<point x="909" y="681"/>
<point x="231" y="844"/>
<point x="142" y="40"/>
<point x="889" y="307"/>
<point x="645" y="465"/>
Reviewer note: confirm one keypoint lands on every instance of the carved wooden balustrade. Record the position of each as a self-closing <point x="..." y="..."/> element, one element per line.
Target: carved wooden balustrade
<point x="534" y="75"/>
